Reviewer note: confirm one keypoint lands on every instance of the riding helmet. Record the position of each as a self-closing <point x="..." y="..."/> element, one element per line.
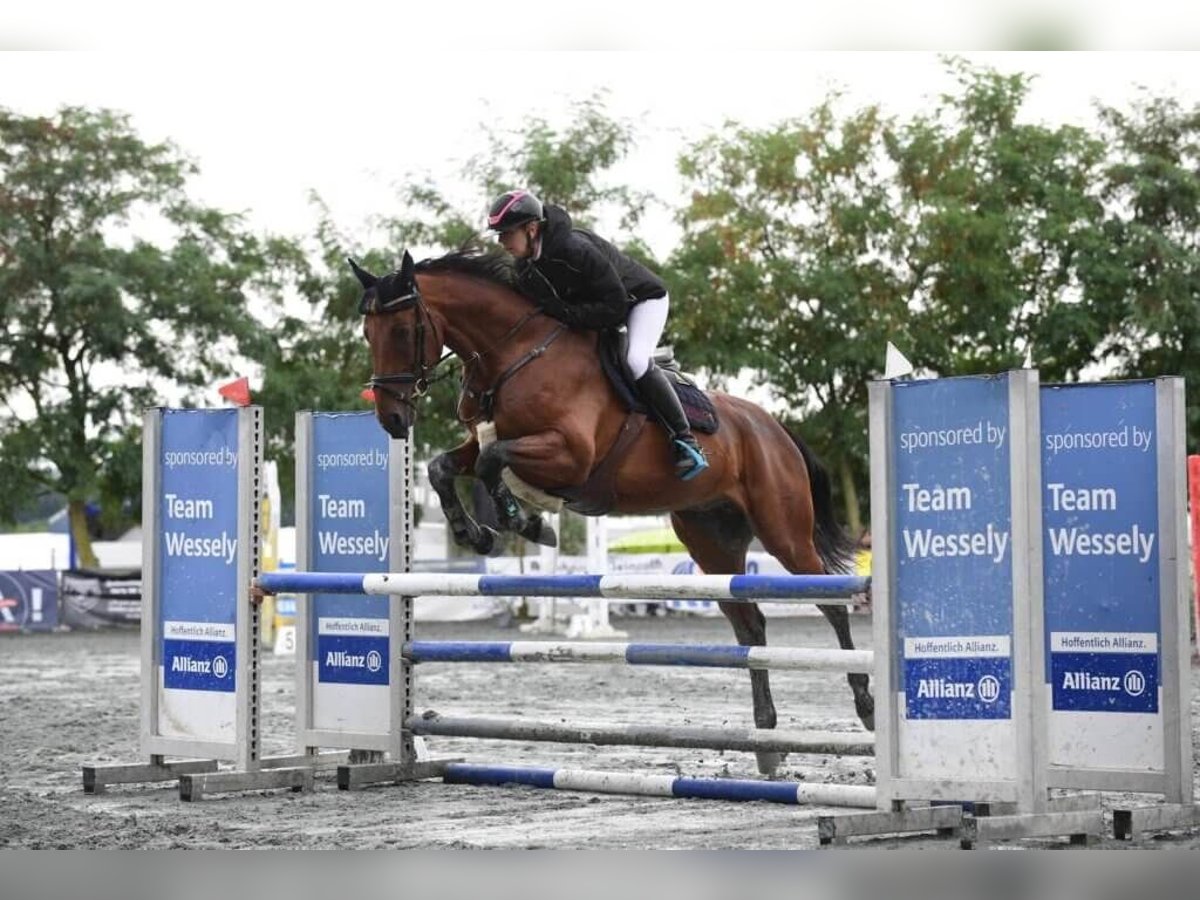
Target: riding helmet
<point x="513" y="208"/>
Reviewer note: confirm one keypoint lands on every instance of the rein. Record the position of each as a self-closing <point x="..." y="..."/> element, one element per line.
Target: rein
<point x="420" y="378"/>
<point x="486" y="400"/>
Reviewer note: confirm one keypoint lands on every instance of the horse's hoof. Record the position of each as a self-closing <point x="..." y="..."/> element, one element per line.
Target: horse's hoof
<point x="488" y="542"/>
<point x="769" y="761"/>
<point x="497" y="542"/>
<point x="545" y="534"/>
<point x="866" y="712"/>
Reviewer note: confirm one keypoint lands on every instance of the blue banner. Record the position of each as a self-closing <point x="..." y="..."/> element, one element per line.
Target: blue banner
<point x="353" y="660"/>
<point x="953" y="546"/>
<point x="1105" y="682"/>
<point x="198" y="546"/>
<point x="958" y="688"/>
<point x="1101" y="545"/>
<point x="199" y="665"/>
<point x="348" y="508"/>
<point x="29" y="600"/>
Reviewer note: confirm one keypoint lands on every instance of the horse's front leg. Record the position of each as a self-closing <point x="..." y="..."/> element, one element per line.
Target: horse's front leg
<point x="543" y="452"/>
<point x="443" y="470"/>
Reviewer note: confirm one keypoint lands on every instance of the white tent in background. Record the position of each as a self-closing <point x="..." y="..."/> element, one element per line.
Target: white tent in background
<point x="35" y="550"/>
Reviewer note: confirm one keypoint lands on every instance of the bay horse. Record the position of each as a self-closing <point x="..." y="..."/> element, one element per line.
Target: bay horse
<point x="556" y="417"/>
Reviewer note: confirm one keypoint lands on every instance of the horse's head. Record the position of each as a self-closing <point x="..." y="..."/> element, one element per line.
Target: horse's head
<point x="404" y="343"/>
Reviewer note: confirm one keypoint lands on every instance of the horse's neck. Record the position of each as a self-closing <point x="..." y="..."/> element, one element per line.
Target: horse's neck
<point x="479" y="320"/>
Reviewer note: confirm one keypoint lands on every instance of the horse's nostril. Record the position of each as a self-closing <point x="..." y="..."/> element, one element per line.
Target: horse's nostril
<point x="397" y="427"/>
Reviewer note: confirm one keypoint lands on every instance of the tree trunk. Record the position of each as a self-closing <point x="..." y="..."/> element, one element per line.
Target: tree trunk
<point x="79" y="531"/>
<point x="850" y="494"/>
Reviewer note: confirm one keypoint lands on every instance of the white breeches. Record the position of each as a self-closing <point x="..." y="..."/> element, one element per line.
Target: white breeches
<point x="646" y="323"/>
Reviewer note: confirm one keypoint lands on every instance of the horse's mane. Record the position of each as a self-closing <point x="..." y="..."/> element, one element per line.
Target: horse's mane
<point x="490" y="263"/>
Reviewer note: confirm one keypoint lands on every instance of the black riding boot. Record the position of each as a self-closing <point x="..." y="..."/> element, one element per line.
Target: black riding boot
<point x="657" y="391"/>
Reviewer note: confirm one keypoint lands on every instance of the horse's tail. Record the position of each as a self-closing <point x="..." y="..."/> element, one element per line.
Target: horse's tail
<point x="834" y="543"/>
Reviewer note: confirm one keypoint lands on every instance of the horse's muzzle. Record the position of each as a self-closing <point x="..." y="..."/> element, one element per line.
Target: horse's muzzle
<point x="396" y="425"/>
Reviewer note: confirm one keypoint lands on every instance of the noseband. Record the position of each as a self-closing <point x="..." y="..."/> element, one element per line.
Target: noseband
<point x="371" y="305"/>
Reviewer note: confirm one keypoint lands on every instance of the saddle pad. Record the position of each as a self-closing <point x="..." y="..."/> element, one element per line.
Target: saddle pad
<point x="701" y="413"/>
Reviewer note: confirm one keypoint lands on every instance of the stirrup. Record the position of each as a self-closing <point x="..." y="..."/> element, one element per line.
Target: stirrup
<point x="696" y="463"/>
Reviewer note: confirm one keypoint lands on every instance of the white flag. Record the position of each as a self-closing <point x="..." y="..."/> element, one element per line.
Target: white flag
<point x="896" y="366"/>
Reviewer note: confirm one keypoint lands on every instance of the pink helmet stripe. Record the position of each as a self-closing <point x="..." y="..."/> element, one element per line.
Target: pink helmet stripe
<point x="516" y="195"/>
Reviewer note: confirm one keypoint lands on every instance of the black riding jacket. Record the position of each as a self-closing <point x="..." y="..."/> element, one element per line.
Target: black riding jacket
<point x="582" y="279"/>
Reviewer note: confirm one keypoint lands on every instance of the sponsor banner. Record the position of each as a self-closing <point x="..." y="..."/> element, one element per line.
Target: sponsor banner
<point x="1099" y="642"/>
<point x="354" y="627"/>
<point x="101" y="599"/>
<point x="197" y="534"/>
<point x="203" y="664"/>
<point x="990" y="646"/>
<point x="1099" y="449"/>
<point x="1105" y="682"/>
<point x="198" y="516"/>
<point x="348" y="509"/>
<point x="953" y="547"/>
<point x="28" y="600"/>
<point x="343" y="659"/>
<point x="961" y="687"/>
<point x="1099" y="672"/>
<point x="199" y="631"/>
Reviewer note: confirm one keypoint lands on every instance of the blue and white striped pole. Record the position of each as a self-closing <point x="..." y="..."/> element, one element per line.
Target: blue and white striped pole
<point x="724" y="656"/>
<point x="744" y="588"/>
<point x="790" y="792"/>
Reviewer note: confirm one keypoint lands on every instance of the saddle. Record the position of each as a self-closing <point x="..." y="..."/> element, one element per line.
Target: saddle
<point x="701" y="413"/>
<point x="597" y="495"/>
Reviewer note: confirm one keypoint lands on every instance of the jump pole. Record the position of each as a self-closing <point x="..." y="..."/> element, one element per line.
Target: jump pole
<point x="825" y="589"/>
<point x="789" y="792"/>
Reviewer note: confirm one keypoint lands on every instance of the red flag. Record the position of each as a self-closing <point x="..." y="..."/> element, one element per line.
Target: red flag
<point x="368" y="395"/>
<point x="236" y="392"/>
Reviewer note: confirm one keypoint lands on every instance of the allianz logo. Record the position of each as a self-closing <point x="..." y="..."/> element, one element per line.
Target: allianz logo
<point x="1133" y="683"/>
<point x="986" y="689"/>
<point x="371" y="661"/>
<point x="218" y="666"/>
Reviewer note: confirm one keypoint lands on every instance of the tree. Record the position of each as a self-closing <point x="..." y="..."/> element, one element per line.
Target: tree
<point x="788" y="254"/>
<point x="956" y="235"/>
<point x="117" y="293"/>
<point x="1145" y="274"/>
<point x="996" y="214"/>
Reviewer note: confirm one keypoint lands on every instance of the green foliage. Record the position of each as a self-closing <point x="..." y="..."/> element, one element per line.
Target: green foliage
<point x="106" y="268"/>
<point x="785" y="257"/>
<point x="996" y="214"/>
<point x="1145" y="274"/>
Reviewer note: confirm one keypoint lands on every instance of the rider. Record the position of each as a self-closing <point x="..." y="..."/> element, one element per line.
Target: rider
<point x="586" y="282"/>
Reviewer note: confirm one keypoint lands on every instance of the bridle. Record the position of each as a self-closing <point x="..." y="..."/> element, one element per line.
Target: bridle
<point x="370" y="305"/>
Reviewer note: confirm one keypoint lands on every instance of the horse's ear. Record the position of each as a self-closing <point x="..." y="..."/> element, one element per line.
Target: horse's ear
<point x="366" y="279"/>
<point x="408" y="269"/>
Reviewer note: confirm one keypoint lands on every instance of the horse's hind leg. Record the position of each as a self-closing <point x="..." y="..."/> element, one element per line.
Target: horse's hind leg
<point x="490" y="468"/>
<point x="860" y="684"/>
<point x="782" y="518"/>
<point x="717" y="539"/>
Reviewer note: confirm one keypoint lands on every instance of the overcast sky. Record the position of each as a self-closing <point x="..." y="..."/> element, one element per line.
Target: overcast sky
<point x="266" y="129"/>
